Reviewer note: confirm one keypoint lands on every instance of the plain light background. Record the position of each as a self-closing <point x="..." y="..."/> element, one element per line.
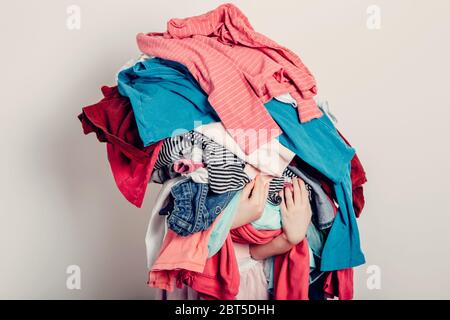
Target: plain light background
<point x="59" y="205"/>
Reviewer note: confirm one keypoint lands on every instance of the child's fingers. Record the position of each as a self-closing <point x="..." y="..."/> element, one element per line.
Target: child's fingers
<point x="283" y="203"/>
<point x="303" y="190"/>
<point x="297" y="191"/>
<point x="288" y="197"/>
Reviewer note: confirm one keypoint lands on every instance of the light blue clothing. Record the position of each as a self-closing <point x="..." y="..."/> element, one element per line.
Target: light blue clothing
<point x="165" y="98"/>
<point x="315" y="244"/>
<point x="312" y="262"/>
<point x="223" y="226"/>
<point x="315" y="239"/>
<point x="318" y="143"/>
<point x="270" y="218"/>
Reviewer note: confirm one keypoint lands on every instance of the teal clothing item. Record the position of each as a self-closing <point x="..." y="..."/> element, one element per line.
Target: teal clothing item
<point x="165" y="98"/>
<point x="270" y="218"/>
<point x="318" y="143"/>
<point x="316" y="239"/>
<point x="342" y="248"/>
<point x="223" y="226"/>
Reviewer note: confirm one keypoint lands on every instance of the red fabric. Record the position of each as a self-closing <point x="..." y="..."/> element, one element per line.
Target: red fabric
<point x="239" y="69"/>
<point x="339" y="284"/>
<point x="220" y="279"/>
<point x="113" y="121"/>
<point x="248" y="234"/>
<point x="358" y="176"/>
<point x="291" y="273"/>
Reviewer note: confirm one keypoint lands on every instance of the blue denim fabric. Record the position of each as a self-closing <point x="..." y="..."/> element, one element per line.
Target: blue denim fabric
<point x="195" y="207"/>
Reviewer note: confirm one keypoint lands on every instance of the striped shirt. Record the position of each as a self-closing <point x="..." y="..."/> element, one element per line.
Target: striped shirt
<point x="225" y="170"/>
<point x="238" y="68"/>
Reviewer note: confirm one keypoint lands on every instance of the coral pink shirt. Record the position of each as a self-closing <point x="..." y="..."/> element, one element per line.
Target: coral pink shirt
<point x="238" y="68"/>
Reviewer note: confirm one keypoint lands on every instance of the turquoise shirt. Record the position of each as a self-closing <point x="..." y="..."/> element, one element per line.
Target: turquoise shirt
<point x="165" y="98"/>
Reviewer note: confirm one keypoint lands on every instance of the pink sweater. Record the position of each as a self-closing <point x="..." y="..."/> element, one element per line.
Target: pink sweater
<point x="238" y="68"/>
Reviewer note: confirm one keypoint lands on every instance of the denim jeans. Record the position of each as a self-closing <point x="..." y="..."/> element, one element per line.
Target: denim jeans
<point x="195" y="207"/>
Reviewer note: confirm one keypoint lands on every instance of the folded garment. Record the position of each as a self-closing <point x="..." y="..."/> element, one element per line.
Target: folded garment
<point x="165" y="98"/>
<point x="195" y="207"/>
<point x="271" y="158"/>
<point x="238" y="68"/>
<point x="225" y="170"/>
<point x="113" y="122"/>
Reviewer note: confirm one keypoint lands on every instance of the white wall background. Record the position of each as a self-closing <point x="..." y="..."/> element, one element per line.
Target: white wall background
<point x="58" y="201"/>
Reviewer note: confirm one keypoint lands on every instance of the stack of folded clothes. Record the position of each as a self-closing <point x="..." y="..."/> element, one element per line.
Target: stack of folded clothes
<point x="208" y="106"/>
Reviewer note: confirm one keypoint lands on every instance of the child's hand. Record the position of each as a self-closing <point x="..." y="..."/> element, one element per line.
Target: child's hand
<point x="295" y="211"/>
<point x="252" y="202"/>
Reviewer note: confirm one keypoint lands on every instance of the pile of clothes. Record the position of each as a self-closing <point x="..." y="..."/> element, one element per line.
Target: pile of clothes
<point x="209" y="105"/>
